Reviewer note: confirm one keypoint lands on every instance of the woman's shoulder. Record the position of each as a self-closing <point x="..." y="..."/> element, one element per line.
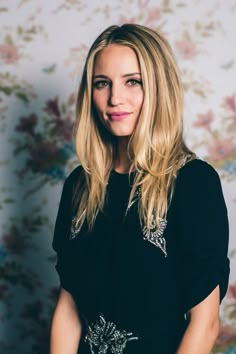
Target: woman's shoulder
<point x="74" y="175"/>
<point x="196" y="177"/>
<point x="196" y="170"/>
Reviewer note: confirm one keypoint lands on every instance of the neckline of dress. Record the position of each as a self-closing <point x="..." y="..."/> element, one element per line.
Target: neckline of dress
<point x="125" y="174"/>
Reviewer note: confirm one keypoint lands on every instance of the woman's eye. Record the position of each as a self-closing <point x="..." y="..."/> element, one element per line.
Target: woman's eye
<point x="134" y="82"/>
<point x="100" y="83"/>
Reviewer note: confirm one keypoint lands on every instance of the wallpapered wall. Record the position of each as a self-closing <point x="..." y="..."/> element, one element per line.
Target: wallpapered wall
<point x="42" y="49"/>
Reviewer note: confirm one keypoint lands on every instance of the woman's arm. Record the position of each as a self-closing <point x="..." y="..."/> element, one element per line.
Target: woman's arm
<point x="203" y="328"/>
<point x="66" y="326"/>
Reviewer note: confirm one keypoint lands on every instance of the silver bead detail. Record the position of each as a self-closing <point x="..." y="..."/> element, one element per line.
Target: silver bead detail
<point x="155" y="234"/>
<point x="104" y="338"/>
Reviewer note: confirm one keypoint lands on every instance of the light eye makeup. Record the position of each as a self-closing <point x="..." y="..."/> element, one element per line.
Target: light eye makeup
<point x="104" y="83"/>
<point x="101" y="83"/>
<point x="134" y="82"/>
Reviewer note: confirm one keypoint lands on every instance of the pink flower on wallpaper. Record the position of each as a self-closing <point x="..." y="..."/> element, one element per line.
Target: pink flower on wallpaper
<point x="204" y="120"/>
<point x="27" y="124"/>
<point x="8" y="54"/>
<point x="64" y="128"/>
<point x="220" y="149"/>
<point x="230" y="103"/>
<point x="143" y="4"/>
<point x="232" y="291"/>
<point x="186" y="49"/>
<point x="14" y="243"/>
<point x="42" y="154"/>
<point x="153" y="15"/>
<point x="226" y="334"/>
<point x="52" y="107"/>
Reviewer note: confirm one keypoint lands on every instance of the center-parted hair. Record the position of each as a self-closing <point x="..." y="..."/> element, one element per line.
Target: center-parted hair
<point x="156" y="147"/>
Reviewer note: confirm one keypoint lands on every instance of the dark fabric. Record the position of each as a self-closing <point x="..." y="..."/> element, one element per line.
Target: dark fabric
<point x="113" y="271"/>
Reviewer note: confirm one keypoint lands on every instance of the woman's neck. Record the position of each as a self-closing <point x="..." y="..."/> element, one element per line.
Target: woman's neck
<point x="122" y="162"/>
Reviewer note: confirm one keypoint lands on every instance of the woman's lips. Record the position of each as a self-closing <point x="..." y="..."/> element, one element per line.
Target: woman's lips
<point x="118" y="115"/>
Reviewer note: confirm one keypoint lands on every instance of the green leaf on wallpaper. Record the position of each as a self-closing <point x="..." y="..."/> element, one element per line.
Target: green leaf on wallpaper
<point x="181" y="4"/>
<point x="8" y="39"/>
<point x="234" y="154"/>
<point x="27" y="39"/>
<point x="166" y="3"/>
<point x="216" y="134"/>
<point x="232" y="314"/>
<point x="230" y="127"/>
<point x="198" y="26"/>
<point x="22" y="96"/>
<point x="199" y="92"/>
<point x="186" y="35"/>
<point x="6" y="90"/>
<point x="8" y="201"/>
<point x="205" y="34"/>
<point x="20" y="30"/>
<point x="32" y="30"/>
<point x="166" y="6"/>
<point x="210" y="26"/>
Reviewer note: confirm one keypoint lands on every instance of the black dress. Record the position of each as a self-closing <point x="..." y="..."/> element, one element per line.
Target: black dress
<point x="133" y="286"/>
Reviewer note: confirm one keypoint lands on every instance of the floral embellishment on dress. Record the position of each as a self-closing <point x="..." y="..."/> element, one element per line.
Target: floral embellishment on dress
<point x="104" y="338"/>
<point x="73" y="229"/>
<point x="75" y="226"/>
<point x="155" y="234"/>
<point x="136" y="197"/>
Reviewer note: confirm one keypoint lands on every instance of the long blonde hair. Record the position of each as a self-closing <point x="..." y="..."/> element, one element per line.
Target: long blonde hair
<point x="156" y="145"/>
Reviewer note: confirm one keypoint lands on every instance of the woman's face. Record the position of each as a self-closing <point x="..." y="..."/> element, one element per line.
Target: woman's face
<point x="117" y="89"/>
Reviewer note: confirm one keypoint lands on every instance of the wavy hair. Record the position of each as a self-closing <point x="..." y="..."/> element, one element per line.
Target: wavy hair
<point x="156" y="146"/>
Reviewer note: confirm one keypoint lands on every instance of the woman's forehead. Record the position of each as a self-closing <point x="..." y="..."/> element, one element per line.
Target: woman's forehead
<point x="116" y="58"/>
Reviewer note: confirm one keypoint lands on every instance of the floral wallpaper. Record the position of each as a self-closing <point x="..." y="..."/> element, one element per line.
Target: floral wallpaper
<point x="42" y="50"/>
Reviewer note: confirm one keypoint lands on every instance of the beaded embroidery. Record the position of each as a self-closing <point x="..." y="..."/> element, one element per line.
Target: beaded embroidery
<point x="104" y="338"/>
<point x="74" y="230"/>
<point x="155" y="234"/>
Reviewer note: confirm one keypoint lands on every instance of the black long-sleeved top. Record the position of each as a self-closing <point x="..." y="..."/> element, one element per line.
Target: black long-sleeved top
<point x="133" y="287"/>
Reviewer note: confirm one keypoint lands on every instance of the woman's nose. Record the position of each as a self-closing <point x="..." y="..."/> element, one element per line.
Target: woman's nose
<point x="116" y="95"/>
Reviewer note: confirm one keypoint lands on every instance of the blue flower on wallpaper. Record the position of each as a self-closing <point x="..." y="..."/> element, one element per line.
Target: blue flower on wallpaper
<point x="56" y="172"/>
<point x="67" y="150"/>
<point x="230" y="167"/>
<point x="231" y="350"/>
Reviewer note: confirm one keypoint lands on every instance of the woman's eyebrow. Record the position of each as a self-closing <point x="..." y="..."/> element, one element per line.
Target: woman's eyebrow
<point x="106" y="77"/>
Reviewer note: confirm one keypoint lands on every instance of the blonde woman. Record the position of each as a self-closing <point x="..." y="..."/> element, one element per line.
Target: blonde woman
<point x="142" y="231"/>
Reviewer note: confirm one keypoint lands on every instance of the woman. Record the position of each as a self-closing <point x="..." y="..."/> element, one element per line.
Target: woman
<point x="142" y="231"/>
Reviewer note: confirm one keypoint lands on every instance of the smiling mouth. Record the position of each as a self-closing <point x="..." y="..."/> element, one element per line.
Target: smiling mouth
<point x="118" y="116"/>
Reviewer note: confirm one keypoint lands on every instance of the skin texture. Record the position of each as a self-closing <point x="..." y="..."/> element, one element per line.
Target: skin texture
<point x="203" y="329"/>
<point x="117" y="87"/>
<point x="66" y="326"/>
